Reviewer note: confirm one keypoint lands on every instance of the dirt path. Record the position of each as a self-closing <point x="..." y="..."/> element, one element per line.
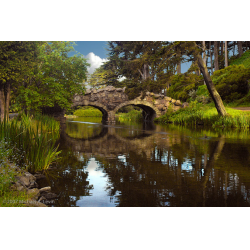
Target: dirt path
<point x="242" y="108"/>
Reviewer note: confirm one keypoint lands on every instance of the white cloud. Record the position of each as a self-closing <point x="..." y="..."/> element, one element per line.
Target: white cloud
<point x="94" y="61"/>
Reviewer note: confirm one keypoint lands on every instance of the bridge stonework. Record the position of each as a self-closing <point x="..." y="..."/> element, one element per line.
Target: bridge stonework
<point x="110" y="99"/>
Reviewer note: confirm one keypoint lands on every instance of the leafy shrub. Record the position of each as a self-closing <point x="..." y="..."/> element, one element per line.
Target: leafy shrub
<point x="202" y="95"/>
<point x="232" y="82"/>
<point x="182" y="84"/>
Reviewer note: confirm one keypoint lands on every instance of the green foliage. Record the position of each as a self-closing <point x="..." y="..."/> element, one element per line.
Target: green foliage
<point x="203" y="91"/>
<point x="41" y="73"/>
<point x="202" y="95"/>
<point x="244" y="59"/>
<point x="182" y="84"/>
<point x="133" y="115"/>
<point x="232" y="82"/>
<point x="88" y="112"/>
<point x="33" y="145"/>
<point x="201" y="114"/>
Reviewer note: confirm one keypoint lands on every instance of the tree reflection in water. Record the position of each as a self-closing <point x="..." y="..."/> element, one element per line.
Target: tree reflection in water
<point x="167" y="167"/>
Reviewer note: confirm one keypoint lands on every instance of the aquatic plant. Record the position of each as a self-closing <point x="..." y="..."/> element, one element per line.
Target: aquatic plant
<point x="32" y="146"/>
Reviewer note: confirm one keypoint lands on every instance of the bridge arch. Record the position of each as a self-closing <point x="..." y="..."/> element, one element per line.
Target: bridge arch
<point x="100" y="106"/>
<point x="150" y="111"/>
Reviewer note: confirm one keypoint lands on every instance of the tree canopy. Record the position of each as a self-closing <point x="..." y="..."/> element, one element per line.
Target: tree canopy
<point x="40" y="74"/>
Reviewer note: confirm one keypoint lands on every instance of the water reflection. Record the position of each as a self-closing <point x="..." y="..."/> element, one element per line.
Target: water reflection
<point x="130" y="165"/>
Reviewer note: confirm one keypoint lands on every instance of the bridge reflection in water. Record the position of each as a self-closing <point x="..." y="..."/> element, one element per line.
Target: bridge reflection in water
<point x="150" y="165"/>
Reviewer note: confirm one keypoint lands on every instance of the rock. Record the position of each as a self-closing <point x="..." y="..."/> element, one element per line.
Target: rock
<point x="168" y="99"/>
<point x="32" y="203"/>
<point x="33" y="193"/>
<point x="159" y="96"/>
<point x="185" y="104"/>
<point x="178" y="103"/>
<point x="39" y="176"/>
<point x="20" y="187"/>
<point x="27" y="180"/>
<point x="151" y="94"/>
<point x="49" y="196"/>
<point x="41" y="199"/>
<point x="110" y="88"/>
<point x="45" y="189"/>
<point x="23" y="180"/>
<point x="161" y="106"/>
<point x="119" y="89"/>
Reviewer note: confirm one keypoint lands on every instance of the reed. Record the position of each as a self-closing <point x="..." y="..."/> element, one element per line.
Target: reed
<point x="33" y="142"/>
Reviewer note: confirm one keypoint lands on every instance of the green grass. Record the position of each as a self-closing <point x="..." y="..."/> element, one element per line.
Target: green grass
<point x="244" y="59"/>
<point x="207" y="116"/>
<point x="88" y="112"/>
<point x="133" y="115"/>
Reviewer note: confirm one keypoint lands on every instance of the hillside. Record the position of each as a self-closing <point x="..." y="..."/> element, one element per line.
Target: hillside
<point x="244" y="59"/>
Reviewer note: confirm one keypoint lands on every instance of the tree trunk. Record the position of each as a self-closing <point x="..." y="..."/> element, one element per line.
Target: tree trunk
<point x="211" y="57"/>
<point x="2" y="101"/>
<point x="179" y="63"/>
<point x="7" y="100"/>
<point x="204" y="55"/>
<point x="210" y="86"/>
<point x="179" y="68"/>
<point x="240" y="50"/>
<point x="226" y="55"/>
<point x="145" y="72"/>
<point x="216" y="56"/>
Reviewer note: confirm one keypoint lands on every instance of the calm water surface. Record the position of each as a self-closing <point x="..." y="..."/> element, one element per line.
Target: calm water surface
<point x="150" y="165"/>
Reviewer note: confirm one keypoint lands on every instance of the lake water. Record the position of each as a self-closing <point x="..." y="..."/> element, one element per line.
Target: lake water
<point x="148" y="165"/>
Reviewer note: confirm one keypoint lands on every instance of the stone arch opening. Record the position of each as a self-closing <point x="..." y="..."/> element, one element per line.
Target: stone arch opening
<point x="98" y="106"/>
<point x="149" y="111"/>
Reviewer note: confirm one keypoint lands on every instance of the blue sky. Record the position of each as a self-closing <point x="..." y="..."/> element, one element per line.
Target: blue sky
<point x="97" y="47"/>
<point x="96" y="53"/>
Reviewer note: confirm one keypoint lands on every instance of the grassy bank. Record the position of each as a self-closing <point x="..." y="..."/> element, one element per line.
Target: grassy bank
<point x="133" y="115"/>
<point x="198" y="114"/>
<point x="88" y="112"/>
<point x="29" y="143"/>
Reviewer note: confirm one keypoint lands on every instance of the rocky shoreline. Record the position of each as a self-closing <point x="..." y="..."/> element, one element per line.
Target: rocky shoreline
<point x="26" y="182"/>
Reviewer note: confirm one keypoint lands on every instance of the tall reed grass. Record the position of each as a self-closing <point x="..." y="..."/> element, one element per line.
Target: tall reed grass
<point x="33" y="141"/>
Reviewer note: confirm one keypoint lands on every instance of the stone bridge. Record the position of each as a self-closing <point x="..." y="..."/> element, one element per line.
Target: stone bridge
<point x="110" y="99"/>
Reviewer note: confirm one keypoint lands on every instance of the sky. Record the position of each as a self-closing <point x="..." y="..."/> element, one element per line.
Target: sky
<point x="96" y="53"/>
